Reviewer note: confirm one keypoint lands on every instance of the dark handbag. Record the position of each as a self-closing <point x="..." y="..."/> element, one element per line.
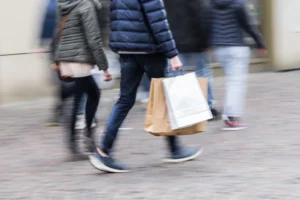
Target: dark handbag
<point x="58" y="37"/>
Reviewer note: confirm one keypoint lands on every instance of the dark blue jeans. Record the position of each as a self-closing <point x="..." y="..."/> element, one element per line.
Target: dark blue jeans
<point x="133" y="67"/>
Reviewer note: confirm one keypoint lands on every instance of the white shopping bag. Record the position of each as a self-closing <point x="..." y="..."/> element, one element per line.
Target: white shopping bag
<point x="185" y="101"/>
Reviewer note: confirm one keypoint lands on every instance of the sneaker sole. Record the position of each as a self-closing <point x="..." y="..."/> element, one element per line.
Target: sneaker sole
<point x="169" y="160"/>
<point x="100" y="166"/>
<point x="233" y="128"/>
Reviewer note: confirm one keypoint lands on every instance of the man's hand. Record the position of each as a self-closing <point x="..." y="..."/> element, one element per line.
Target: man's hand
<point x="176" y="64"/>
<point x="107" y="76"/>
<point x="262" y="52"/>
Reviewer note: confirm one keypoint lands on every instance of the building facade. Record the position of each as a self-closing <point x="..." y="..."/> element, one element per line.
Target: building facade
<point x="27" y="75"/>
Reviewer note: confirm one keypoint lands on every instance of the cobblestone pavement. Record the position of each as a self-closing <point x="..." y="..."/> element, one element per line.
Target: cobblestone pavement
<point x="259" y="163"/>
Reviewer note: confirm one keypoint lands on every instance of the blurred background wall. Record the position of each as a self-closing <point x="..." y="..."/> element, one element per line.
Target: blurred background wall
<point x="26" y="75"/>
<point x="286" y="34"/>
<point x="22" y="75"/>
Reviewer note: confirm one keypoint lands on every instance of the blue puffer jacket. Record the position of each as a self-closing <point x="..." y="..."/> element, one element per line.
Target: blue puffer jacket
<point x="49" y="20"/>
<point x="141" y="26"/>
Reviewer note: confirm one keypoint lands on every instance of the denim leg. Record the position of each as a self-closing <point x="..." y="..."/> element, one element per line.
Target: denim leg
<point x="131" y="75"/>
<point x="155" y="67"/>
<point x="144" y="88"/>
<point x="204" y="70"/>
<point x="82" y="105"/>
<point x="235" y="62"/>
<point x="145" y="83"/>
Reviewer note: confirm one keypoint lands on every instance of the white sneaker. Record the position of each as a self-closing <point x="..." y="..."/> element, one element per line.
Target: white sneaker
<point x="94" y="124"/>
<point x="80" y="122"/>
<point x="144" y="101"/>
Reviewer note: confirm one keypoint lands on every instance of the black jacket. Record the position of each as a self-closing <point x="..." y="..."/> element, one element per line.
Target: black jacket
<point x="80" y="39"/>
<point x="190" y="25"/>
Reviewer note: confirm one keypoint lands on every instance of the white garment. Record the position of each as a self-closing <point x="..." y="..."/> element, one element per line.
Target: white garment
<point x="75" y="70"/>
<point x="235" y="63"/>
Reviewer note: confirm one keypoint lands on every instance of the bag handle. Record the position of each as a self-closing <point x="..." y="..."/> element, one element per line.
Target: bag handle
<point x="177" y="72"/>
<point x="61" y="27"/>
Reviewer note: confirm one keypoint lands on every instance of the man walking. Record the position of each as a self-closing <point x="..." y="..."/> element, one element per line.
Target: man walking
<point x="141" y="35"/>
<point x="192" y="34"/>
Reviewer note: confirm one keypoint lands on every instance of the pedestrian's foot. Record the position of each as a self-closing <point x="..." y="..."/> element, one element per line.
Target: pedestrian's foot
<point x="80" y="122"/>
<point x="90" y="145"/>
<point x="106" y="163"/>
<point x="94" y="123"/>
<point x="233" y="124"/>
<point x="78" y="157"/>
<point x="75" y="154"/>
<point x="184" y="155"/>
<point x="216" y="114"/>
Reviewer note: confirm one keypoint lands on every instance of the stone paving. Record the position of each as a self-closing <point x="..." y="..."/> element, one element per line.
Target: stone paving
<point x="259" y="163"/>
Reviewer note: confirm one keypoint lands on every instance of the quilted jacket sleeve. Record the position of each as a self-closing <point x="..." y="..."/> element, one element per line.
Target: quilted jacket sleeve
<point x="247" y="24"/>
<point x="93" y="36"/>
<point x="157" y="18"/>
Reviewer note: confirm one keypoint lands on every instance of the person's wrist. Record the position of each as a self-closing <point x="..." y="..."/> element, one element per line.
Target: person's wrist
<point x="173" y="54"/>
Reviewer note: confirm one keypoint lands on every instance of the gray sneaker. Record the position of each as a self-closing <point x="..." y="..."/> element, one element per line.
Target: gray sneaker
<point x="106" y="164"/>
<point x="184" y="155"/>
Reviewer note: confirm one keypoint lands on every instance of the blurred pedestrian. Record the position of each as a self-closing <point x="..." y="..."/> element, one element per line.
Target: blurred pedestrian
<point x="230" y="20"/>
<point x="64" y="90"/>
<point x="49" y="22"/>
<point x="78" y="48"/>
<point x="141" y="35"/>
<point x="192" y="34"/>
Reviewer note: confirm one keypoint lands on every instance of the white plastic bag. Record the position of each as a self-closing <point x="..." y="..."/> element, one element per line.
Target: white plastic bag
<point x="185" y="101"/>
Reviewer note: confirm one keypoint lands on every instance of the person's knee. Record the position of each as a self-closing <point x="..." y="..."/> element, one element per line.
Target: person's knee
<point x="126" y="102"/>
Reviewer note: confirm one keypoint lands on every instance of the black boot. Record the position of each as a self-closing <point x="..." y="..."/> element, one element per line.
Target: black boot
<point x="89" y="141"/>
<point x="216" y="114"/>
<point x="76" y="155"/>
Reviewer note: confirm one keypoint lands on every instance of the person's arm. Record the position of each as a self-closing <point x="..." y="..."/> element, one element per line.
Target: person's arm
<point x="54" y="40"/>
<point x="247" y="24"/>
<point x="157" y="19"/>
<point x="93" y="37"/>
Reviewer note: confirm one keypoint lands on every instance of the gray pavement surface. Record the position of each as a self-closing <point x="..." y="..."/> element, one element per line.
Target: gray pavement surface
<point x="262" y="162"/>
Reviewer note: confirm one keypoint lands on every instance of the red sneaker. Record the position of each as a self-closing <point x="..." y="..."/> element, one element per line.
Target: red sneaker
<point x="233" y="124"/>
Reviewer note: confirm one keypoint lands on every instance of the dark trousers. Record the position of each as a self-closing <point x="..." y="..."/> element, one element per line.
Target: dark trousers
<point x="64" y="92"/>
<point x="133" y="67"/>
<point x="85" y="85"/>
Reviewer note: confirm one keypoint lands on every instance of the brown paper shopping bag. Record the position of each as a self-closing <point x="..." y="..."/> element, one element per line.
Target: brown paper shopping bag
<point x="157" y="119"/>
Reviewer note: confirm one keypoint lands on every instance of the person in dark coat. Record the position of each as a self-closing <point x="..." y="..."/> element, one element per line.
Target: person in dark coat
<point x="190" y="25"/>
<point x="230" y="21"/>
<point x="140" y="33"/>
